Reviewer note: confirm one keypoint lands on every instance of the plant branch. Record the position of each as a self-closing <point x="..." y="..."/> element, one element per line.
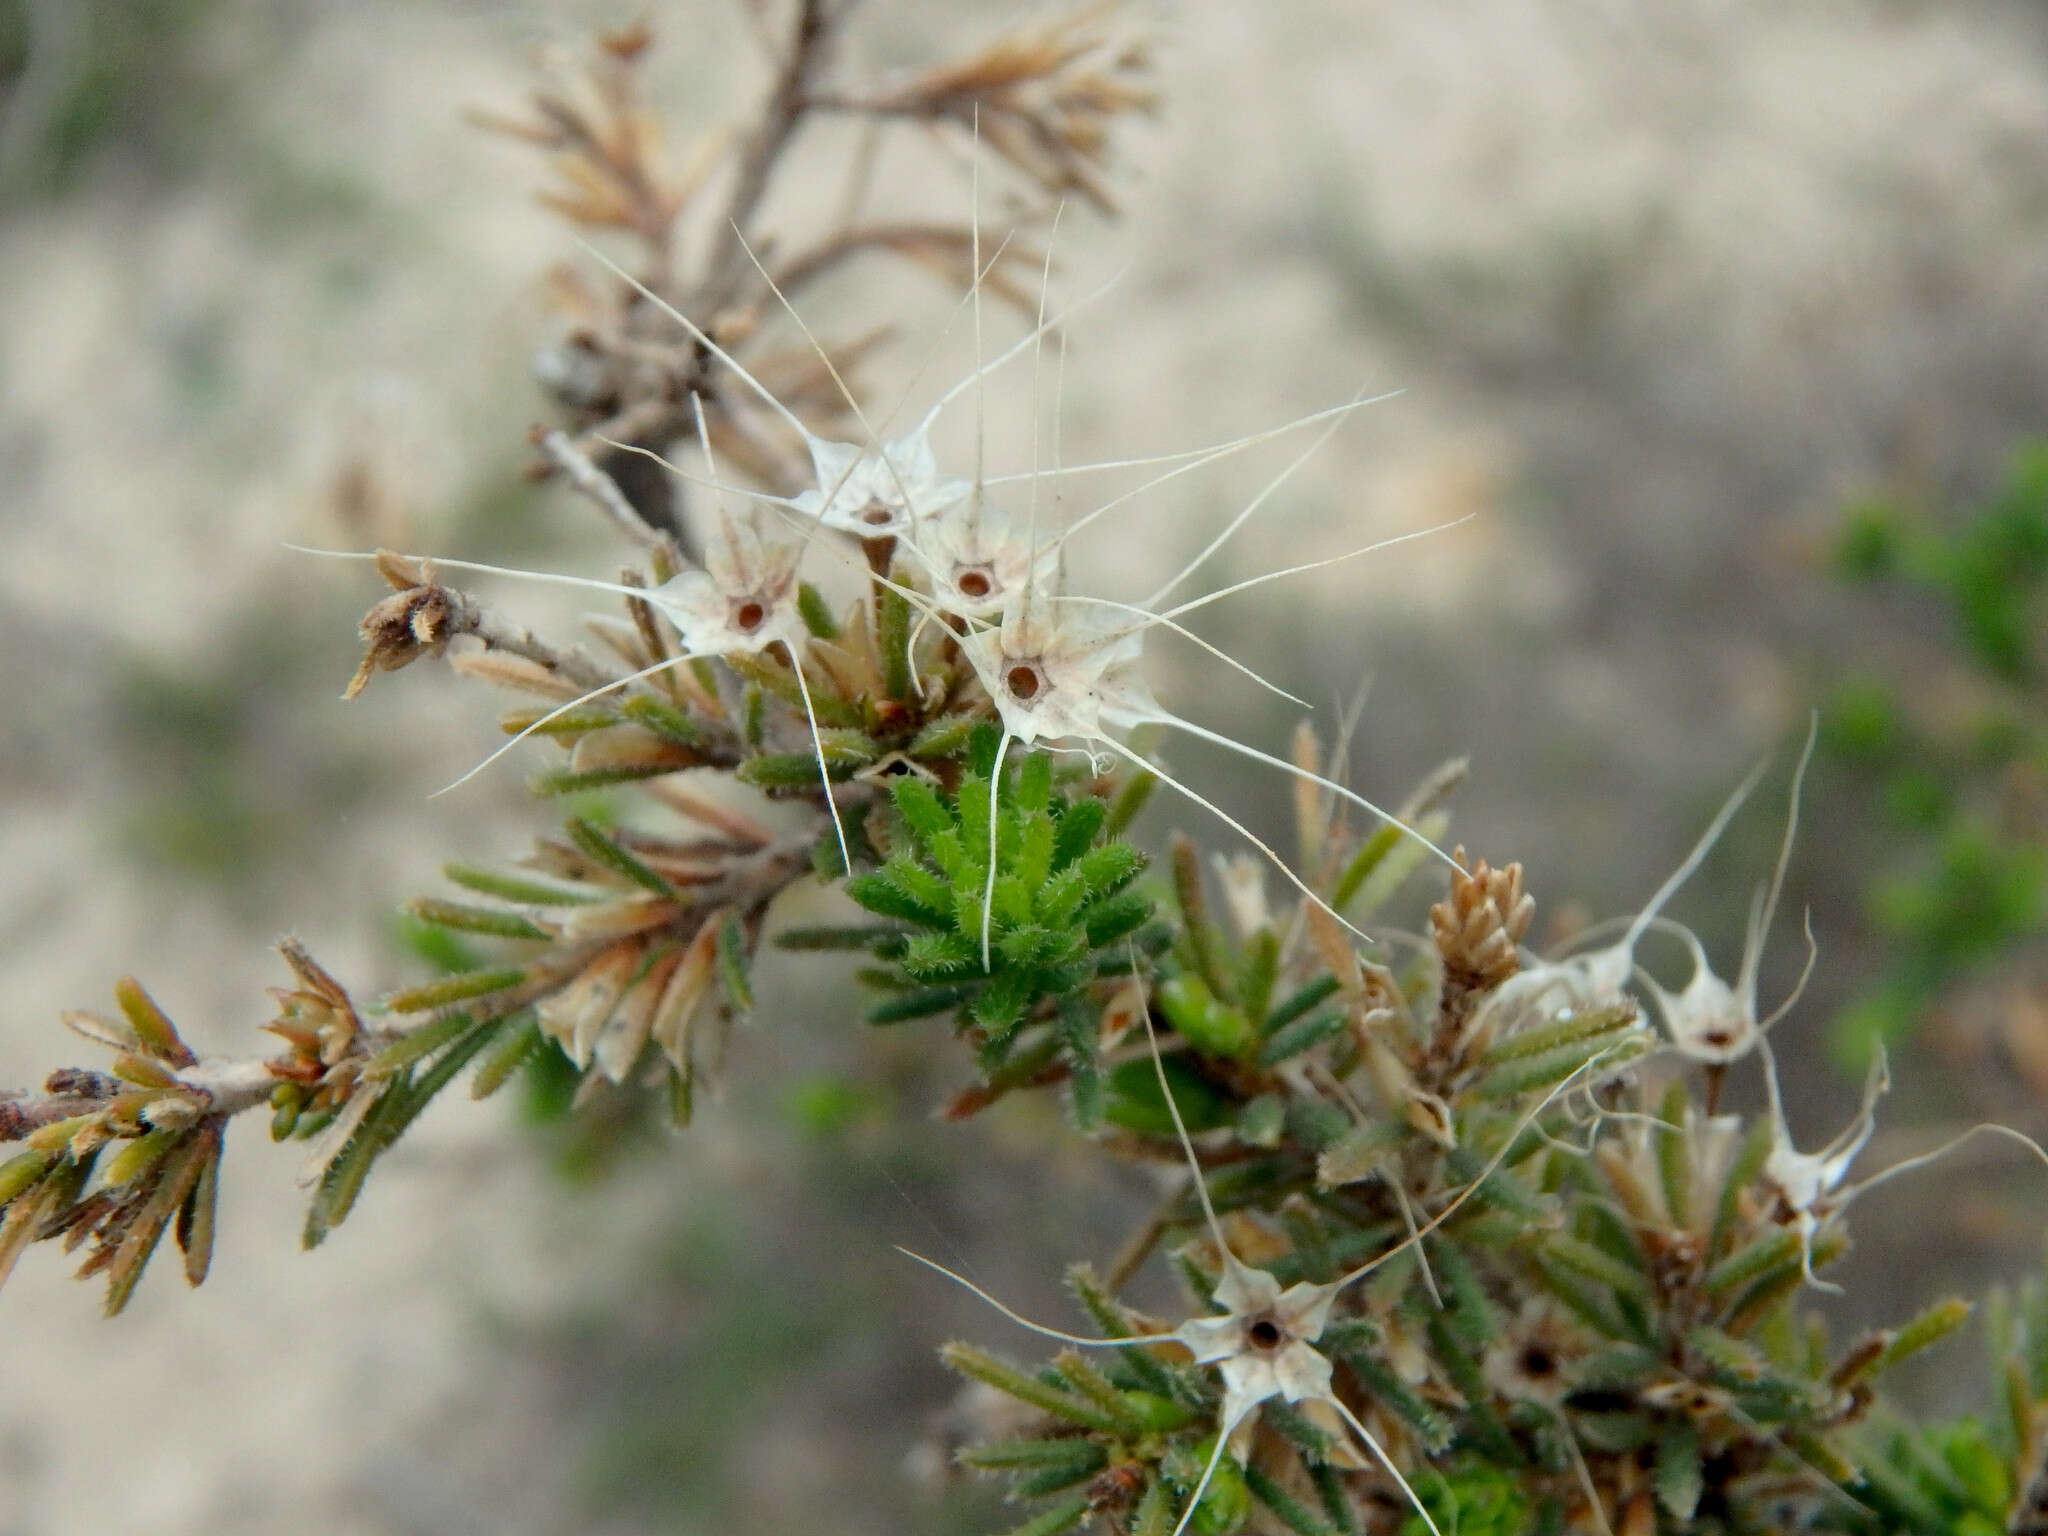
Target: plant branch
<point x="602" y="492"/>
<point x="787" y="106"/>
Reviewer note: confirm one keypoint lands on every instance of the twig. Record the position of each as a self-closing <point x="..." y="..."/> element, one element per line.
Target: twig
<point x="500" y="636"/>
<point x="1138" y="1247"/>
<point x="786" y="109"/>
<point x="603" y="492"/>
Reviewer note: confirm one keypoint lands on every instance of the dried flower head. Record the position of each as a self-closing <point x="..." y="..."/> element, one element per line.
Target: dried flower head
<point x="1479" y="928"/>
<point x="419" y="620"/>
<point x="1042" y="96"/>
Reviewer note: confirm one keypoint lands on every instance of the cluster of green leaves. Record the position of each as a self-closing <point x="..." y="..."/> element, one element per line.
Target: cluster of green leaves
<point x="137" y="1157"/>
<point x="1061" y="915"/>
<point x="1686" y="1285"/>
<point x="1966" y="876"/>
<point x="1973" y="1476"/>
<point x="1664" y="1294"/>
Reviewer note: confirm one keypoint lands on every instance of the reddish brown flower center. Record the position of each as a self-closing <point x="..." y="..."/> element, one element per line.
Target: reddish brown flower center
<point x="1264" y="1334"/>
<point x="975" y="583"/>
<point x="1025" y="681"/>
<point x="748" y="616"/>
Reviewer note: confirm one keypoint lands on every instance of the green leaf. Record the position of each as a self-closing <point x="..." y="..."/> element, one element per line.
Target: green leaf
<point x="1528" y="1074"/>
<point x="1000" y="1007"/>
<point x="181" y="1171"/>
<point x="1262" y="1121"/>
<point x="1087" y="1089"/>
<point x="424" y="1041"/>
<point x="921" y="1003"/>
<point x="1930" y="1327"/>
<point x="782" y="770"/>
<point x="385" y="1121"/>
<point x="1574" y="1029"/>
<point x="902" y="891"/>
<point x="1680" y="1477"/>
<point x="1105" y="870"/>
<point x="1033" y="791"/>
<point x="464" y="918"/>
<point x="892" y="643"/>
<point x="1674" y="1154"/>
<point x="941" y="956"/>
<point x="1130" y="800"/>
<point x="518" y="888"/>
<point x="1135" y="1102"/>
<point x="1482" y="1425"/>
<point x="1115" y="918"/>
<point x="1081" y="1374"/>
<point x="1213" y="1027"/>
<point x="453" y="989"/>
<point x="979" y="1365"/>
<point x="138" y="1156"/>
<point x="921" y="808"/>
<point x="664" y="719"/>
<point x="152" y="1026"/>
<point x="732" y="965"/>
<point x="1302" y="1035"/>
<point x="1371" y="854"/>
<point x="1009" y="1455"/>
<point x="1260" y="965"/>
<point x="514" y="1049"/>
<point x="1288" y="1510"/>
<point x="1746" y="1264"/>
<point x="537" y="721"/>
<point x="1358" y="1344"/>
<point x="752" y="715"/>
<point x="944" y="737"/>
<point x="813" y="610"/>
<point x="1078" y="825"/>
<point x="841" y="936"/>
<point x="1299" y="1003"/>
<point x="22" y="1172"/>
<point x="1063" y="1516"/>
<point x="1033" y="860"/>
<point x="1226" y="1504"/>
<point x="571" y="781"/>
<point x="1088" y="1459"/>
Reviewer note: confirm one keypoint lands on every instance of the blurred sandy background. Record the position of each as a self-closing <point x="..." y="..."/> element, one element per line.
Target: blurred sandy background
<point x="1662" y="283"/>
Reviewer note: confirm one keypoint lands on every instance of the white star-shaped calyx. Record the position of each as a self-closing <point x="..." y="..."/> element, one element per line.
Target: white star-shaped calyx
<point x="1262" y="1344"/>
<point x="878" y="492"/>
<point x="978" y="559"/>
<point x="1063" y="667"/>
<point x="744" y="599"/>
<point x="1808" y="1185"/>
<point x="1709" y="1021"/>
<point x="1717" y="1022"/>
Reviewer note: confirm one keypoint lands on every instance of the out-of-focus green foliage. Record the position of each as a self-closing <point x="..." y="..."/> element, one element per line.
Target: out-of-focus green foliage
<point x="1959" y="789"/>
